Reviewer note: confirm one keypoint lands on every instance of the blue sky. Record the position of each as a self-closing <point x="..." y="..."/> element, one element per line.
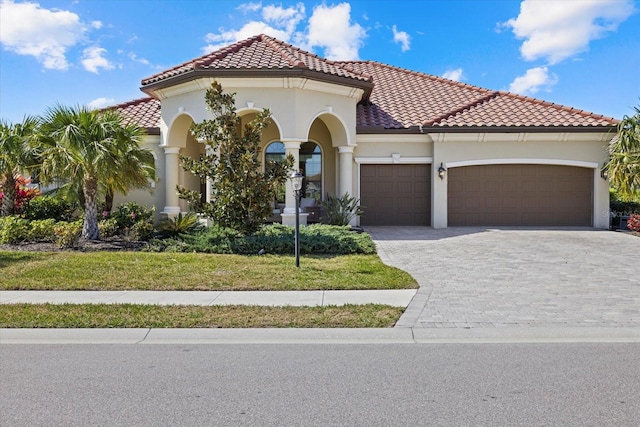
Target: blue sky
<point x="584" y="54"/>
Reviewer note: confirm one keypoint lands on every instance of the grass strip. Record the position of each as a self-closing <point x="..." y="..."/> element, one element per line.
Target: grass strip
<point x="194" y="271"/>
<point x="180" y="316"/>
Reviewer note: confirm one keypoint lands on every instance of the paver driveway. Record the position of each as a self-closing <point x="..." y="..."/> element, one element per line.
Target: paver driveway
<point x="480" y="277"/>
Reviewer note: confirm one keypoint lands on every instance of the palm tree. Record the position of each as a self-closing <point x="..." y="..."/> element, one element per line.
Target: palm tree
<point x="93" y="148"/>
<point x="134" y="169"/>
<point x="17" y="155"/>
<point x="623" y="167"/>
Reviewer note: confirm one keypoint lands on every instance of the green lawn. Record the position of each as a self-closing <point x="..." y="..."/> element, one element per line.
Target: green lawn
<point x="153" y="316"/>
<point x="193" y="271"/>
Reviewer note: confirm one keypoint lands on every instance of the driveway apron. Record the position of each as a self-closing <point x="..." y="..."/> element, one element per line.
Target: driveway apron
<point x="475" y="277"/>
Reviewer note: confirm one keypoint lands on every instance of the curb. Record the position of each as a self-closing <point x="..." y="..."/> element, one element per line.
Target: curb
<point x="506" y="335"/>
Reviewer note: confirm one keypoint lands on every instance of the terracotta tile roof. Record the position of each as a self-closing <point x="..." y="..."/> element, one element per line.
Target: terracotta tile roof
<point x="260" y="52"/>
<point x="395" y="98"/>
<point x="508" y="109"/>
<point x="145" y="112"/>
<point x="403" y="99"/>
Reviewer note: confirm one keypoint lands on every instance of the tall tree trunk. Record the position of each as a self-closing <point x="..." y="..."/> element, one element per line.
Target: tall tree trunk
<point x="90" y="228"/>
<point x="9" y="195"/>
<point x="108" y="199"/>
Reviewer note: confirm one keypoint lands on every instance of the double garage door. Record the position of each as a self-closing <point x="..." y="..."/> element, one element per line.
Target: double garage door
<point x="500" y="195"/>
<point x="535" y="195"/>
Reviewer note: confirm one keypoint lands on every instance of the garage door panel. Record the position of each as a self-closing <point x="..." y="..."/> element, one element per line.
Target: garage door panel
<point x="401" y="194"/>
<point x="520" y="195"/>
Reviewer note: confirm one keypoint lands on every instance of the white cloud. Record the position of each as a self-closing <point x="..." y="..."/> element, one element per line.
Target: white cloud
<point x="28" y="29"/>
<point x="533" y="80"/>
<point x="455" y="74"/>
<point x="132" y="56"/>
<point x="250" y="29"/>
<point x="99" y="103"/>
<point x="288" y="18"/>
<point x="250" y="7"/>
<point x="96" y="24"/>
<point x="93" y="59"/>
<point x="557" y="30"/>
<point x="401" y="37"/>
<point x="330" y="28"/>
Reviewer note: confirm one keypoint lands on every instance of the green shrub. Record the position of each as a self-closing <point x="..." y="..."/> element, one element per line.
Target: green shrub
<point x="68" y="234"/>
<point x="48" y="207"/>
<point x="169" y="245"/>
<point x="272" y="239"/>
<point x="143" y="230"/>
<point x="181" y="224"/>
<point x="214" y="239"/>
<point x="621" y="207"/>
<point x="340" y="210"/>
<point x="128" y="214"/>
<point x="13" y="229"/>
<point x="42" y="230"/>
<point x="108" y="227"/>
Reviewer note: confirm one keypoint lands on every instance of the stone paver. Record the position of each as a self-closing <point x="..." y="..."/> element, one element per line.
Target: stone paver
<point x="507" y="277"/>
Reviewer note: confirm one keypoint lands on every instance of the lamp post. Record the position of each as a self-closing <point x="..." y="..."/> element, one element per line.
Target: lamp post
<point x="296" y="182"/>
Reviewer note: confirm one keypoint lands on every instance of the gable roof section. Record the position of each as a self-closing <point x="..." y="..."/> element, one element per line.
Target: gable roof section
<point x="260" y="56"/>
<point x="404" y="100"/>
<point x="144" y="112"/>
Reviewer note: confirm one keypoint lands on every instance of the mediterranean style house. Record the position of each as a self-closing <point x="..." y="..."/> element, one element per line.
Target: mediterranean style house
<point x="414" y="148"/>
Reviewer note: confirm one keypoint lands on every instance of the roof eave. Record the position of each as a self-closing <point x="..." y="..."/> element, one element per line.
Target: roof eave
<point x="366" y="86"/>
<point x="518" y="129"/>
<point x="482" y="129"/>
<point x="361" y="130"/>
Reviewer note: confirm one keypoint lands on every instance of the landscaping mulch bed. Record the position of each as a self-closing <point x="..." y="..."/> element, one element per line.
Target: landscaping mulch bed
<point x="108" y="244"/>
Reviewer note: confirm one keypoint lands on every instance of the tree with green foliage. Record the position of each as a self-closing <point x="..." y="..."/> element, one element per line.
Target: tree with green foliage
<point x="89" y="149"/>
<point x="623" y="167"/>
<point x="17" y="155"/>
<point x="241" y="189"/>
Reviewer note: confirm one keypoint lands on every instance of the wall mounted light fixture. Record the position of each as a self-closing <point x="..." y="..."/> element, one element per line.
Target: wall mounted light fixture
<point x="441" y="171"/>
<point x="604" y="174"/>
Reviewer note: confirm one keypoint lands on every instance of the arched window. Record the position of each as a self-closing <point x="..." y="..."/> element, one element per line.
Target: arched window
<point x="310" y="166"/>
<point x="275" y="152"/>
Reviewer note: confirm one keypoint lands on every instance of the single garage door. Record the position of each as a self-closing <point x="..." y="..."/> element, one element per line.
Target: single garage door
<point x="395" y="194"/>
<point x="537" y="195"/>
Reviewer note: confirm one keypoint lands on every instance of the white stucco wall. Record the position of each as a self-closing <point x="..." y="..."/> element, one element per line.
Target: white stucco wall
<point x="153" y="195"/>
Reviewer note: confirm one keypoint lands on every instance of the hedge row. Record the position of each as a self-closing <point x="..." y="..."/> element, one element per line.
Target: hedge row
<point x="272" y="239"/>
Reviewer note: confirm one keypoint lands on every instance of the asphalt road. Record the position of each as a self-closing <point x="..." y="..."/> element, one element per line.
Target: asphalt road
<point x="568" y="384"/>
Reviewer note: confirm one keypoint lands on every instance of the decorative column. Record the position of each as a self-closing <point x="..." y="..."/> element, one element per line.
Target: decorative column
<point x="172" y="172"/>
<point x="293" y="148"/>
<point x="289" y="213"/>
<point x="345" y="177"/>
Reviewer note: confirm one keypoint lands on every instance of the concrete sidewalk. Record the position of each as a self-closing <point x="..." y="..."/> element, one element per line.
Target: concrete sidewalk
<point x="397" y="298"/>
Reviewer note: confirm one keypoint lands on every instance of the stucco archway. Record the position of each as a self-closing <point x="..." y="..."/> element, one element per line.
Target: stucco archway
<point x="179" y="142"/>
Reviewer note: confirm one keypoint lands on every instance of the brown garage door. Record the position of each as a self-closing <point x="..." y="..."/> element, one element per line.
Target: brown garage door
<point x="395" y="194"/>
<point x="520" y="195"/>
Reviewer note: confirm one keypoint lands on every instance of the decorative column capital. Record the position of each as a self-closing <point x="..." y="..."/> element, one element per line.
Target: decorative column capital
<point x="292" y="144"/>
<point x="346" y="149"/>
<point x="171" y="150"/>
